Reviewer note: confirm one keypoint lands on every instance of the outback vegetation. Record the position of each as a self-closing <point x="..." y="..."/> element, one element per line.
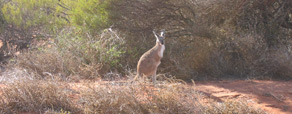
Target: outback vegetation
<point x="65" y="56"/>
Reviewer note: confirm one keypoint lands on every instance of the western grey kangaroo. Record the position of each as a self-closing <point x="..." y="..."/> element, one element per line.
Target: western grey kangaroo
<point x="150" y="60"/>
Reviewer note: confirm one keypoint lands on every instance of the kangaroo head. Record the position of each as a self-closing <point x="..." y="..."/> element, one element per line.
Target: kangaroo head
<point x="160" y="37"/>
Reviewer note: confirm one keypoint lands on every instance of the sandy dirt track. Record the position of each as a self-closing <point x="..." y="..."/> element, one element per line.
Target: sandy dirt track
<point x="275" y="97"/>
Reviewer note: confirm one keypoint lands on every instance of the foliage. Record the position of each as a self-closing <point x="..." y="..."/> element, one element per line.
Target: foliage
<point x="205" y="39"/>
<point x="106" y="48"/>
<point x="76" y="53"/>
<point x="209" y="39"/>
<point x="1" y="16"/>
<point x="27" y="13"/>
<point x="89" y="14"/>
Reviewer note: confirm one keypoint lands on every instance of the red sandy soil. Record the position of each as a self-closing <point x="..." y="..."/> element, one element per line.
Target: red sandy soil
<point x="274" y="97"/>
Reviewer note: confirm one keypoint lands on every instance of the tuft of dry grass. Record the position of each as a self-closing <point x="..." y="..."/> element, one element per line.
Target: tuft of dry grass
<point x="34" y="96"/>
<point x="47" y="63"/>
<point x="51" y="64"/>
<point x="11" y="75"/>
<point x="139" y="98"/>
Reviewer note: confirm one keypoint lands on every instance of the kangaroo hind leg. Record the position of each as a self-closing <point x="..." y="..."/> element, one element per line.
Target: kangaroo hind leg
<point x="154" y="77"/>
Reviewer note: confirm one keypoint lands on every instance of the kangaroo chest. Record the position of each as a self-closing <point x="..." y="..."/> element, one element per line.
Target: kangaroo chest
<point x="161" y="50"/>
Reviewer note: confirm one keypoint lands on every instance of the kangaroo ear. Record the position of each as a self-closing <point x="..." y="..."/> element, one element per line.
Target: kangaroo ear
<point x="155" y="34"/>
<point x="162" y="34"/>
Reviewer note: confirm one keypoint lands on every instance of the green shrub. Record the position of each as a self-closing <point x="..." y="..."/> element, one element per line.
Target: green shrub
<point x="1" y="15"/>
<point x="76" y="53"/>
<point x="106" y="48"/>
<point x="88" y="14"/>
<point x="28" y="13"/>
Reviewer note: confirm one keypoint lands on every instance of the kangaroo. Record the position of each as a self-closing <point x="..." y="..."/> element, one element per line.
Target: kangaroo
<point x="150" y="60"/>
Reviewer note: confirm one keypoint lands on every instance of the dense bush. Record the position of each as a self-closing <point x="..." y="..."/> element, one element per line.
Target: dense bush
<point x="27" y="13"/>
<point x="211" y="39"/>
<point x="82" y="50"/>
<point x="1" y="16"/>
<point x="90" y="14"/>
<point x="204" y="40"/>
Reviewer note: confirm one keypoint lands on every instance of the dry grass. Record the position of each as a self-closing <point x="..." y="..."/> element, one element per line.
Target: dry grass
<point x="73" y="53"/>
<point x="52" y="64"/>
<point x="112" y="97"/>
<point x="233" y="107"/>
<point x="12" y="75"/>
<point x="34" y="96"/>
<point x="140" y="98"/>
<point x="46" y="64"/>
